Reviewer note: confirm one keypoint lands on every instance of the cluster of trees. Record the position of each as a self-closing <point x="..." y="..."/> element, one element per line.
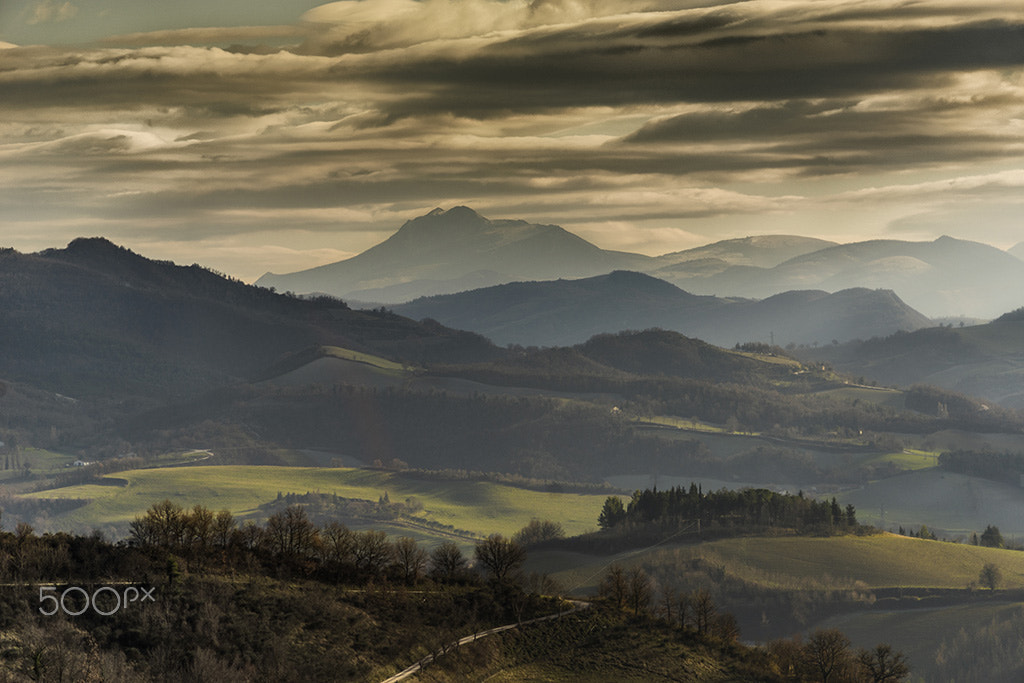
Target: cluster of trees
<point x="746" y="508"/>
<point x="290" y="544"/>
<point x="26" y="557"/>
<point x="694" y="611"/>
<point x="992" y="651"/>
<point x="1005" y="467"/>
<point x="825" y="656"/>
<point x="991" y="537"/>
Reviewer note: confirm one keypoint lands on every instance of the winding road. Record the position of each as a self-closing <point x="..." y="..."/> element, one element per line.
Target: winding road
<point x="577" y="605"/>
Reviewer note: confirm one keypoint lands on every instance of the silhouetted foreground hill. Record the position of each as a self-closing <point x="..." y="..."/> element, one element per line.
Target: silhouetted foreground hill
<point x="98" y="319"/>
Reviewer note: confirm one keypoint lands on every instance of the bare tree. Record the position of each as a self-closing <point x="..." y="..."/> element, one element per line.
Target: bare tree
<point x="828" y="652"/>
<point x="639" y="586"/>
<point x="223" y="525"/>
<point x="447" y="563"/>
<point x="614" y="586"/>
<point x="704" y="610"/>
<point x="884" y="665"/>
<point x="725" y="627"/>
<point x="338" y="543"/>
<point x="371" y="552"/>
<point x="500" y="556"/>
<point x="668" y="605"/>
<point x="290" y="533"/>
<point x="163" y="525"/>
<point x="410" y="559"/>
<point x="197" y="533"/>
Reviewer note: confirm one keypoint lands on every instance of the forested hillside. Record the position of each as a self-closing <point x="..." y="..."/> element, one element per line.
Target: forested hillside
<point x="97" y="320"/>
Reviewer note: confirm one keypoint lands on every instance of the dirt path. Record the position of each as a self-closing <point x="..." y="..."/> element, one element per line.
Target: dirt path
<point x="577" y="605"/>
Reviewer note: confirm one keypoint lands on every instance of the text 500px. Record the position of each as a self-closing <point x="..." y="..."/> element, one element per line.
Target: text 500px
<point x="105" y="600"/>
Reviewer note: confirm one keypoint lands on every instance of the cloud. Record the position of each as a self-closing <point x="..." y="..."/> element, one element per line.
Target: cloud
<point x="975" y="186"/>
<point x="52" y="11"/>
<point x="242" y="37"/>
<point x="680" y="118"/>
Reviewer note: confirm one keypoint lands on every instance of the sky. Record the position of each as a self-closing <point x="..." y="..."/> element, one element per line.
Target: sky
<point x="253" y="136"/>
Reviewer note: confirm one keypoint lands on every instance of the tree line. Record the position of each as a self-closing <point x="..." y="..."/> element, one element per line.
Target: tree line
<point x="998" y="466"/>
<point x="724" y="509"/>
<point x="290" y="544"/>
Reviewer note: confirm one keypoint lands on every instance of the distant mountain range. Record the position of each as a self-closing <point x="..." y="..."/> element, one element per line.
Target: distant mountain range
<point x="946" y="277"/>
<point x="446" y="252"/>
<point x="566" y="312"/>
<point x="759" y="251"/>
<point x="452" y="251"/>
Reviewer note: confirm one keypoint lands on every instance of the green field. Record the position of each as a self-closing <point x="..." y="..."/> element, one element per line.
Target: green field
<point x="479" y="507"/>
<point x="682" y="423"/>
<point x="892" y="398"/>
<point x="358" y="357"/>
<point x="907" y="459"/>
<point x="795" y="563"/>
<point x="40" y="461"/>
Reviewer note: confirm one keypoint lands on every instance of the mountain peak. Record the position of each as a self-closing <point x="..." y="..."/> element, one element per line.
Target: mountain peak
<point x="431" y="252"/>
<point x="461" y="212"/>
<point x="454" y="221"/>
<point x="93" y="245"/>
<point x="97" y="251"/>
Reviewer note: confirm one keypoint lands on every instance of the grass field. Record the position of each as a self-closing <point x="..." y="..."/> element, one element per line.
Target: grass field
<point x="41" y="461"/>
<point x="907" y="459"/>
<point x="683" y="423"/>
<point x="479" y="507"/>
<point x="892" y="398"/>
<point x="359" y="357"/>
<point x="794" y="563"/>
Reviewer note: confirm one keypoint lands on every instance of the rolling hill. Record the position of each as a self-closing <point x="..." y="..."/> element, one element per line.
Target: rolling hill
<point x="570" y="311"/>
<point x="981" y="360"/>
<point x="96" y="319"/>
